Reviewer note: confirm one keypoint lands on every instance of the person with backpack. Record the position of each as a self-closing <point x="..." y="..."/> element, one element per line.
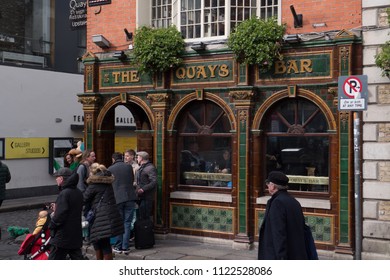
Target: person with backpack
<point x="88" y="157"/>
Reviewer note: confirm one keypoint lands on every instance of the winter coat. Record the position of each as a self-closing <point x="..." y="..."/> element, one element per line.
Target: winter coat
<point x="123" y="184"/>
<point x="65" y="225"/>
<point x="147" y="180"/>
<point x="281" y="235"/>
<point x="5" y="177"/>
<point x="108" y="221"/>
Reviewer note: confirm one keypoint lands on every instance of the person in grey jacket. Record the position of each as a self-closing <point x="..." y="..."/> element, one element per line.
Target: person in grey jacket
<point x="5" y="177"/>
<point x="146" y="185"/>
<point x="107" y="223"/>
<point x="125" y="199"/>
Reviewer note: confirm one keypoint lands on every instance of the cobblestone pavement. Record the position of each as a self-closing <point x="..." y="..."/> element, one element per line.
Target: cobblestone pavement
<point x="22" y="218"/>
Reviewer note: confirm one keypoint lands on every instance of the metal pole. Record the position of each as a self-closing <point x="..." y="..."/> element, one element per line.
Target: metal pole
<point x="358" y="208"/>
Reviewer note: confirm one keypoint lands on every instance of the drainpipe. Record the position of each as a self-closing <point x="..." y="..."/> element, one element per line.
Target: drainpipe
<point x="358" y="204"/>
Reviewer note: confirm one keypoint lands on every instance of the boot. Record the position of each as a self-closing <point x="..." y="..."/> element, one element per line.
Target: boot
<point x="99" y="255"/>
<point x="108" y="256"/>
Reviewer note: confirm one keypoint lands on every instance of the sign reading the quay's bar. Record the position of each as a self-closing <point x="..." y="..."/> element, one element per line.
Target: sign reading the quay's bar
<point x="77" y="14"/>
<point x="212" y="71"/>
<point x="98" y="2"/>
<point x="311" y="65"/>
<point x="123" y="77"/>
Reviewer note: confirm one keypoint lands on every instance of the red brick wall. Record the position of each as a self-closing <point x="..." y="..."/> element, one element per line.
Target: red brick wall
<point x="110" y="20"/>
<point x="337" y="14"/>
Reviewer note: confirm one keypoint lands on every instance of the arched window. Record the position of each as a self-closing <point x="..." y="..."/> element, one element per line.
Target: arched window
<point x="297" y="143"/>
<point x="204" y="150"/>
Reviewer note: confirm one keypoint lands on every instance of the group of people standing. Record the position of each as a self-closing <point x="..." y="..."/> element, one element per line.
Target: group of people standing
<point x="115" y="193"/>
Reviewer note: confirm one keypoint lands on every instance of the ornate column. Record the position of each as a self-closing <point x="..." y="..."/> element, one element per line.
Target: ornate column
<point x="159" y="104"/>
<point x="91" y="110"/>
<point x="242" y="100"/>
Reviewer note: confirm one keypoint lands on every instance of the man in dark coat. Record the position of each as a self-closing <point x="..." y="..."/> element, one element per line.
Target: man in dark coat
<point x="281" y="235"/>
<point x="65" y="225"/>
<point x="125" y="198"/>
<point x="146" y="185"/>
<point x="5" y="177"/>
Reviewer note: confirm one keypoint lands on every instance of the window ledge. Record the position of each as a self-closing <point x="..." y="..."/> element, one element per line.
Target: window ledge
<point x="305" y="202"/>
<point x="217" y="197"/>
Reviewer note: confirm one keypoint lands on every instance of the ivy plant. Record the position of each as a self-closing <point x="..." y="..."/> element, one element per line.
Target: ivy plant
<point x="257" y="41"/>
<point x="156" y="50"/>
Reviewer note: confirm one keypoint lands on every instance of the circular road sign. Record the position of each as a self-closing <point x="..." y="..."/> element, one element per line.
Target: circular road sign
<point x="352" y="87"/>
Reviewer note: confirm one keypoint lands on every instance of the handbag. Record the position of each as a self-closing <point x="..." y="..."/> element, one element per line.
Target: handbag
<point x="91" y="214"/>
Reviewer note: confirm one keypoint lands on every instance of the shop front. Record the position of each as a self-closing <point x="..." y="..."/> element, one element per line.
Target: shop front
<point x="215" y="129"/>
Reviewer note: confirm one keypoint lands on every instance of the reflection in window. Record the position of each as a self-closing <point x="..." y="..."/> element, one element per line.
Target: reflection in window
<point x="204" y="150"/>
<point x="297" y="143"/>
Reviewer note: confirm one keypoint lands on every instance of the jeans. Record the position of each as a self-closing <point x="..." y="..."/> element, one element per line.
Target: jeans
<point x="127" y="210"/>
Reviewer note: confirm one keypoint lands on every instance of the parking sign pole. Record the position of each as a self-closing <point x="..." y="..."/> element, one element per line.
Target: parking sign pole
<point x="358" y="206"/>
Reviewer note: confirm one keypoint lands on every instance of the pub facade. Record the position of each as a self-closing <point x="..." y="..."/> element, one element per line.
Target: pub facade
<point x="215" y="128"/>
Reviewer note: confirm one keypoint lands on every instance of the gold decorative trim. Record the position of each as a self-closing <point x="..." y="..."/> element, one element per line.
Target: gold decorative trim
<point x="344" y="34"/>
<point x="89" y="100"/>
<point x="241" y="96"/>
<point x="158" y="97"/>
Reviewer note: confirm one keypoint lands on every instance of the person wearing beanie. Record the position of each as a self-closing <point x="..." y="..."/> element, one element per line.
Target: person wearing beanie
<point x="65" y="225"/>
<point x="281" y="234"/>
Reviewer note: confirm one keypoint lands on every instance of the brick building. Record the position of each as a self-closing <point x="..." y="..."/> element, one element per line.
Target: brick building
<point x="285" y="119"/>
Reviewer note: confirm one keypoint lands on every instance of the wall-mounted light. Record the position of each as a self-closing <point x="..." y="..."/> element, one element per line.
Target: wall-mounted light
<point x="298" y="19"/>
<point x="120" y="55"/>
<point x="58" y="120"/>
<point x="291" y="39"/>
<point x="199" y="46"/>
<point x="129" y="35"/>
<point x="100" y="41"/>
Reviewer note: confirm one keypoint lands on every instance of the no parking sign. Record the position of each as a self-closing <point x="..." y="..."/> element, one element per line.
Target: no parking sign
<point x="352" y="93"/>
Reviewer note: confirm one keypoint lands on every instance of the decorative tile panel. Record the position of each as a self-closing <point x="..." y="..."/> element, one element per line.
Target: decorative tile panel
<point x="321" y="226"/>
<point x="202" y="218"/>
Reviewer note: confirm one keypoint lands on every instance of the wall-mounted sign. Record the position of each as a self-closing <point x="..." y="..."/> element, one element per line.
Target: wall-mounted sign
<point x="77" y="13"/>
<point x="26" y="148"/>
<point x="352" y="93"/>
<point x="98" y="2"/>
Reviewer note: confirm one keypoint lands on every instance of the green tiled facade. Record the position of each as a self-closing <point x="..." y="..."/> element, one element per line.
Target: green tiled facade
<point x="200" y="218"/>
<point x="321" y="226"/>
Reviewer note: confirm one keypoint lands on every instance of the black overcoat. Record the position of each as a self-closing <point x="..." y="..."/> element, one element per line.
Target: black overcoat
<point x="108" y="222"/>
<point x="281" y="235"/>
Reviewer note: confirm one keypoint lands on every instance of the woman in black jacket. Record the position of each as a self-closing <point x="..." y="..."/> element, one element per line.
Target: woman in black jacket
<point x="108" y="222"/>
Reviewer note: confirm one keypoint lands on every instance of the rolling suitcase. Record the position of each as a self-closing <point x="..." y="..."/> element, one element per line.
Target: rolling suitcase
<point x="143" y="234"/>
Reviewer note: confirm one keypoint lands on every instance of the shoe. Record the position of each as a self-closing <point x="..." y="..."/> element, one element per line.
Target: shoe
<point x="116" y="250"/>
<point x="126" y="251"/>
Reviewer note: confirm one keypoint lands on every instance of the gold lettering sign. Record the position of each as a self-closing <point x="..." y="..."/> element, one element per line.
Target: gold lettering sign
<point x="309" y="180"/>
<point x="202" y="71"/>
<point x="293" y="66"/>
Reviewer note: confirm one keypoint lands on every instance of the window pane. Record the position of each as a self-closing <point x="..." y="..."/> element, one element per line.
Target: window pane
<point x="297" y="143"/>
<point x="204" y="148"/>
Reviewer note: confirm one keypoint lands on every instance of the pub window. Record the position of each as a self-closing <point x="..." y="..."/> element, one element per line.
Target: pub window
<point x="208" y="18"/>
<point x="204" y="150"/>
<point x="297" y="143"/>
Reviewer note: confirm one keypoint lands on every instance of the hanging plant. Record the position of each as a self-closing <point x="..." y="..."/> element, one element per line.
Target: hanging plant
<point x="382" y="59"/>
<point x="257" y="41"/>
<point x="157" y="50"/>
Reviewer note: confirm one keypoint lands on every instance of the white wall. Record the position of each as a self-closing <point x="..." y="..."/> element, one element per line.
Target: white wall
<point x="31" y="100"/>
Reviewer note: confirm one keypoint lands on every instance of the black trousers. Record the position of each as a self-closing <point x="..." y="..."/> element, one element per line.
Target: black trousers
<point x="57" y="253"/>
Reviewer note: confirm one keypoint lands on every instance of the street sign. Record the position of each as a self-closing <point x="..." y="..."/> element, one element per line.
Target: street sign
<point x="352" y="93"/>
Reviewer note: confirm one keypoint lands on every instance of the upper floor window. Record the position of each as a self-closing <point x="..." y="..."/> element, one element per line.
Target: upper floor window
<point x="209" y="18"/>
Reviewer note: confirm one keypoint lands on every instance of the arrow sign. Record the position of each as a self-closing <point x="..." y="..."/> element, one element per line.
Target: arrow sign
<point x="352" y="87"/>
